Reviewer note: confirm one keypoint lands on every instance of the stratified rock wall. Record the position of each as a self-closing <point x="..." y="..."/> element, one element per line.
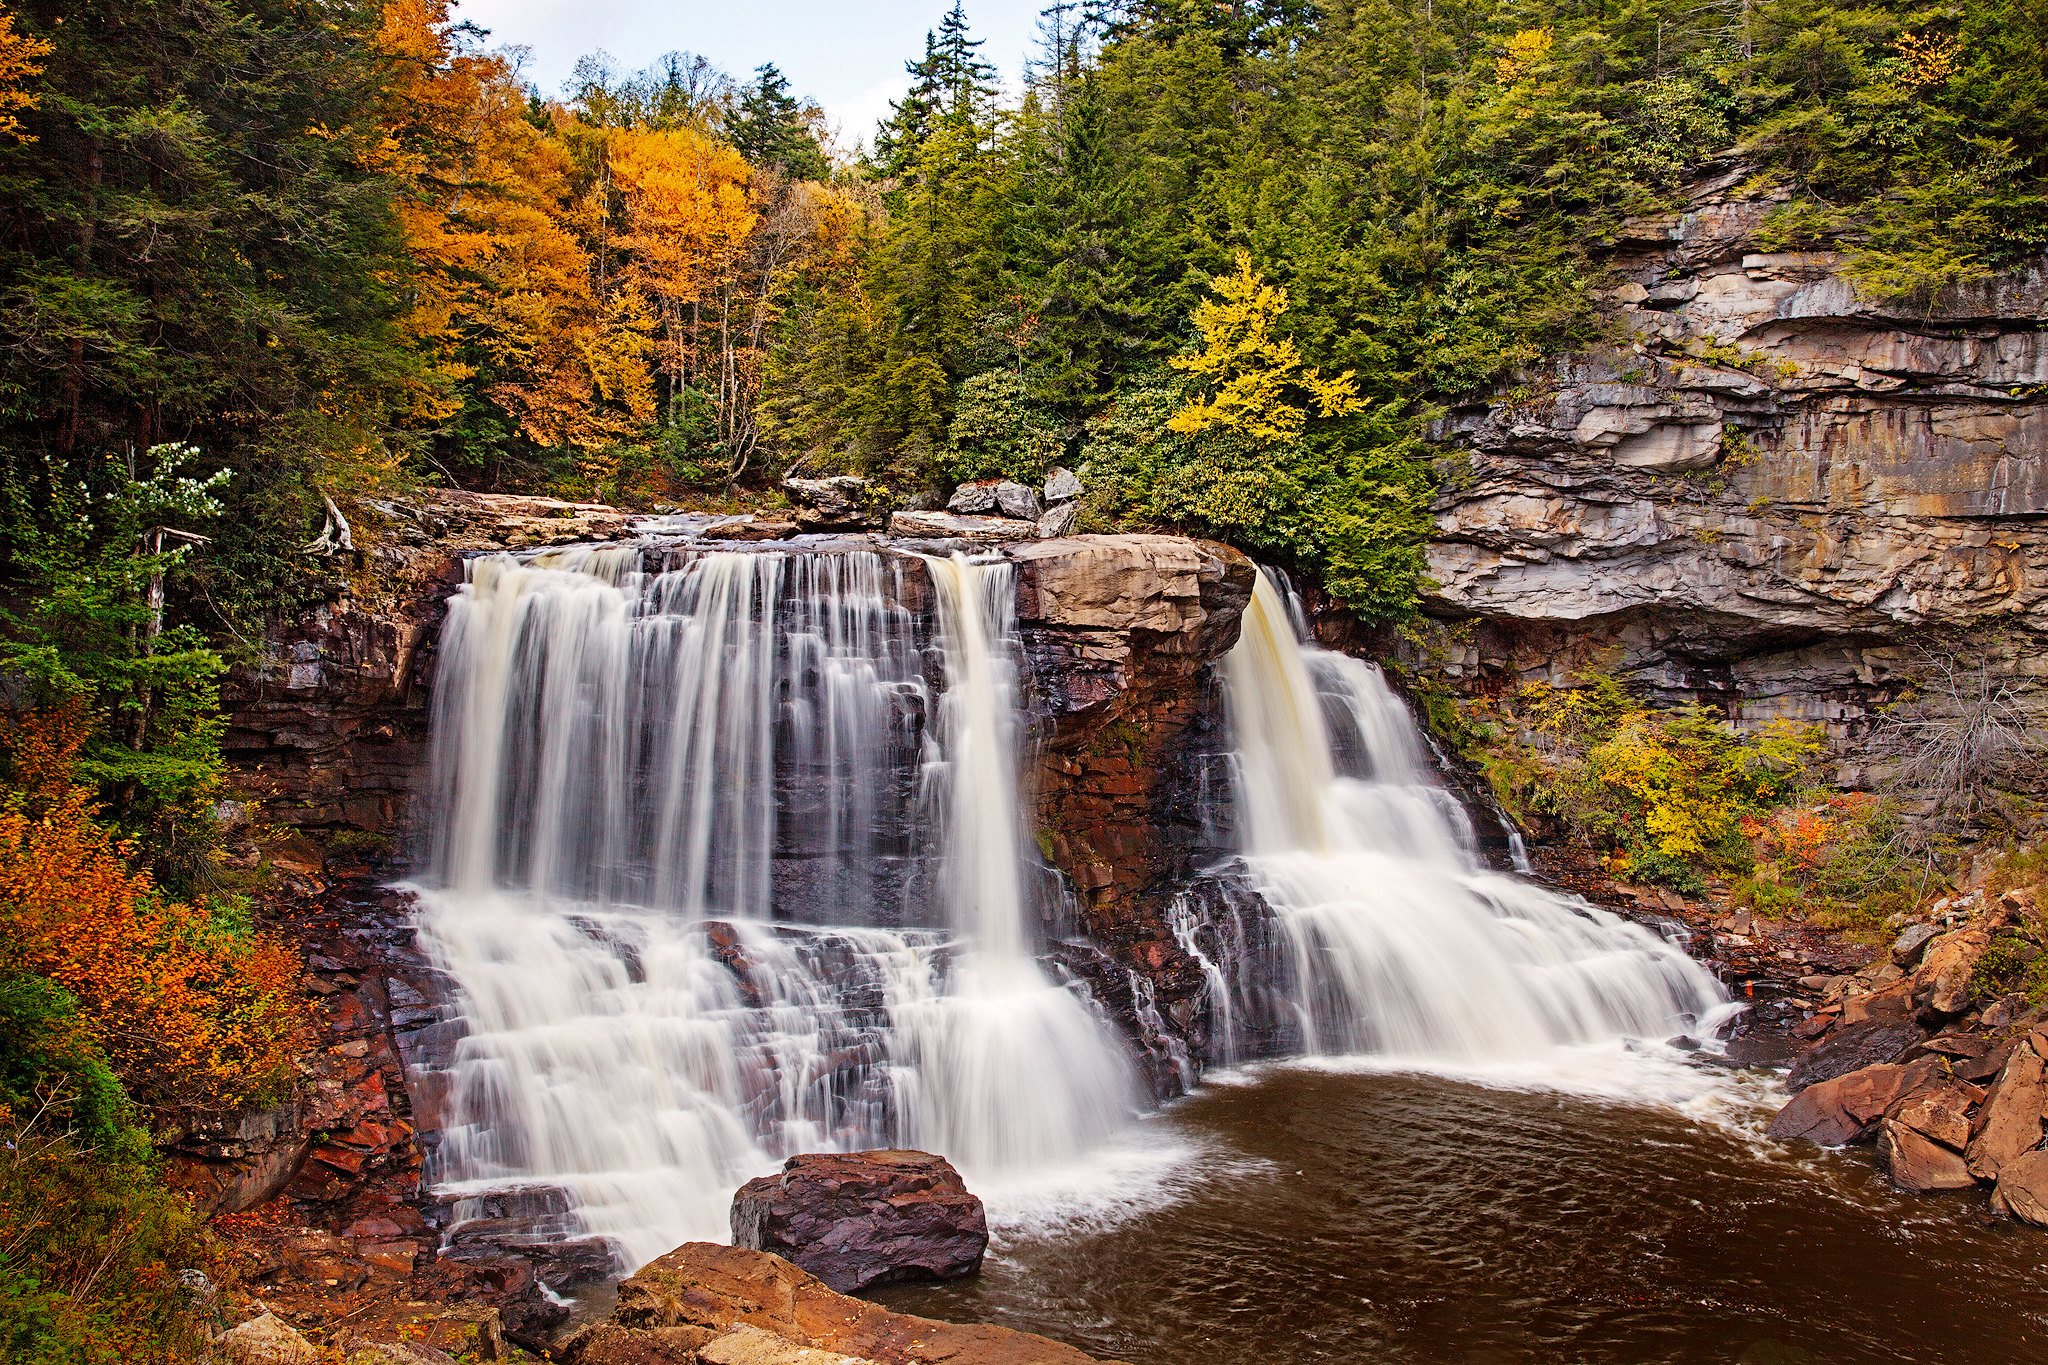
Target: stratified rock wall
<point x="1768" y="492"/>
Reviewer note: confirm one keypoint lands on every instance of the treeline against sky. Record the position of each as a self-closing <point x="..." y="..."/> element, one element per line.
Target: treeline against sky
<point x="337" y="246"/>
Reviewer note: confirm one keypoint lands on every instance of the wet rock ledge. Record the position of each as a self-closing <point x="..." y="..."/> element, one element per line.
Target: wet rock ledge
<point x="723" y="1305"/>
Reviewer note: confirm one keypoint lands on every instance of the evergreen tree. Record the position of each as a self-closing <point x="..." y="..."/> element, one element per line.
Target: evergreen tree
<point x="770" y="129"/>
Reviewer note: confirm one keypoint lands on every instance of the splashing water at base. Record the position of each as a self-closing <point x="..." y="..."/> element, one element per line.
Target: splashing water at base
<point x="1398" y="943"/>
<point x="638" y="777"/>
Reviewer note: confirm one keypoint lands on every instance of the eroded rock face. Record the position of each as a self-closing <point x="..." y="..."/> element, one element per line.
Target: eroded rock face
<point x="702" y="1294"/>
<point x="858" y="1219"/>
<point x="1759" y="498"/>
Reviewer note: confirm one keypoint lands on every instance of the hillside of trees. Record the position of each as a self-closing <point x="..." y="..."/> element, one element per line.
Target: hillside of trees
<point x="1226" y="258"/>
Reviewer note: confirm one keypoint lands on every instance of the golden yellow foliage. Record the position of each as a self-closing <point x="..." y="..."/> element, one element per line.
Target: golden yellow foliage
<point x="1526" y="51"/>
<point x="1256" y="381"/>
<point x="20" y="62"/>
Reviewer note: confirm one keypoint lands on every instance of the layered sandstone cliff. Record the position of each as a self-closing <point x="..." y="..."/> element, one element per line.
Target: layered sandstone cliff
<point x="1767" y="492"/>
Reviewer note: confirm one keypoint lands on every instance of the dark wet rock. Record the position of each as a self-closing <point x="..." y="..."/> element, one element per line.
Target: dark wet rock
<point x="1842" y="1110"/>
<point x="2010" y="1123"/>
<point x="1853" y="1048"/>
<point x="718" y="1289"/>
<point x="865" y="1218"/>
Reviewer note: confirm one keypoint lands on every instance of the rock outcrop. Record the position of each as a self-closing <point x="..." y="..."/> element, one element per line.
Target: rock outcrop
<point x="858" y="1219"/>
<point x="1768" y="492"/>
<point x="718" y="1303"/>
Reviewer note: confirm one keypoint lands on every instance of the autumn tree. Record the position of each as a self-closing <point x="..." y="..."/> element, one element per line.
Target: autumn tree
<point x="524" y="343"/>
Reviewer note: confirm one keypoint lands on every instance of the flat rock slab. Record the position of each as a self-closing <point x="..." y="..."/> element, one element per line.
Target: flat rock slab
<point x="946" y="526"/>
<point x="702" y="1292"/>
<point x="857" y="1219"/>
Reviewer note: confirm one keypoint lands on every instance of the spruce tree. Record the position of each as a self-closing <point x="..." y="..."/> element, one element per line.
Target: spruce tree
<point x="769" y="129"/>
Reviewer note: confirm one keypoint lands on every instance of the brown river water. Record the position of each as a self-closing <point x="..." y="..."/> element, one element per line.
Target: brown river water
<point x="1320" y="1214"/>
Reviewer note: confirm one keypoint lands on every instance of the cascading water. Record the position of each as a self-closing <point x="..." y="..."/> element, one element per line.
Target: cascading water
<point x="1395" y="940"/>
<point x="649" y="787"/>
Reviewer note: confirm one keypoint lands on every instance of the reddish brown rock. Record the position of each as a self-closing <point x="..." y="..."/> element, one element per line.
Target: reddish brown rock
<point x="1917" y="1162"/>
<point x="1943" y="985"/>
<point x="2023" y="1188"/>
<point x="865" y="1218"/>
<point x="701" y="1285"/>
<point x="2011" y="1118"/>
<point x="1846" y="1109"/>
<point x="1942" y="1115"/>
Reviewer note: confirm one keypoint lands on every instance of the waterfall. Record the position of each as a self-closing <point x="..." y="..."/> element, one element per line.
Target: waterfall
<point x="1396" y="940"/>
<point x="657" y="777"/>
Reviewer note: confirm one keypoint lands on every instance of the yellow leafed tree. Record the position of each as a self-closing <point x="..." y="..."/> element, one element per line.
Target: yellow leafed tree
<point x="1254" y="382"/>
<point x="20" y="62"/>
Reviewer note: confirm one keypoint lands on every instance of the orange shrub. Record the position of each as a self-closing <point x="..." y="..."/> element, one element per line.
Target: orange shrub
<point x="188" y="1010"/>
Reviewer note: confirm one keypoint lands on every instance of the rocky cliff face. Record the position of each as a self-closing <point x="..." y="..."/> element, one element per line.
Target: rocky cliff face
<point x="1766" y="492"/>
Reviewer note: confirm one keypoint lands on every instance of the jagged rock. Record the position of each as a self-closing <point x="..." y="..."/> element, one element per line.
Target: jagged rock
<point x="1907" y="948"/>
<point x="2023" y="1188"/>
<point x="1059" y="521"/>
<point x="1845" y="1109"/>
<point x="1941" y="1114"/>
<point x="394" y="1353"/>
<point x="1149" y="583"/>
<point x="2011" y="1118"/>
<point x="752" y="1346"/>
<point x="1017" y="500"/>
<point x="974" y="498"/>
<point x="840" y="502"/>
<point x="266" y="1341"/>
<point x="944" y="526"/>
<point x="1917" y="1162"/>
<point x="1852" y="1048"/>
<point x="717" y="1288"/>
<point x="607" y="1343"/>
<point x="1062" y="485"/>
<point x="865" y="1218"/>
<point x="1942" y="984"/>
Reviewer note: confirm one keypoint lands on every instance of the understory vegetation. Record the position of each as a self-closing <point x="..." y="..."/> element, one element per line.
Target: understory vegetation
<point x="1677" y="797"/>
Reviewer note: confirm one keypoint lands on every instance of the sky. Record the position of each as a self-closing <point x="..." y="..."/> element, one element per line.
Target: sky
<point x="848" y="56"/>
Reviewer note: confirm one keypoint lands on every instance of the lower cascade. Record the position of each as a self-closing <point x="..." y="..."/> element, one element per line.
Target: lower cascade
<point x="727" y="867"/>
<point x="1393" y="938"/>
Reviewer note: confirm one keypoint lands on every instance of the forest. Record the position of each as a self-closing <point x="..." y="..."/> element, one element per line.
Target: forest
<point x="1230" y="261"/>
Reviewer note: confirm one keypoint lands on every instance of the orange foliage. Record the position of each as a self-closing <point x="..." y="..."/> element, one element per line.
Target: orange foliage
<point x="187" y="1011"/>
<point x="20" y="61"/>
<point x="502" y="276"/>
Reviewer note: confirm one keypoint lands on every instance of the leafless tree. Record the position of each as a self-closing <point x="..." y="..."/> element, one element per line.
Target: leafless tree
<point x="1960" y="740"/>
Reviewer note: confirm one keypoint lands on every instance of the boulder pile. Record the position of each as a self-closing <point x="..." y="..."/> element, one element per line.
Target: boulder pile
<point x="1000" y="509"/>
<point x="1922" y="1056"/>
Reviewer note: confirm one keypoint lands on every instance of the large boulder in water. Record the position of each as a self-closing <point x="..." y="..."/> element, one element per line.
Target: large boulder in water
<point x="708" y="1302"/>
<point x="865" y="1218"/>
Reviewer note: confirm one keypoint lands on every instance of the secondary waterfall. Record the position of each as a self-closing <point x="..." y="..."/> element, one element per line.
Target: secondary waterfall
<point x="657" y="775"/>
<point x="1393" y="939"/>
